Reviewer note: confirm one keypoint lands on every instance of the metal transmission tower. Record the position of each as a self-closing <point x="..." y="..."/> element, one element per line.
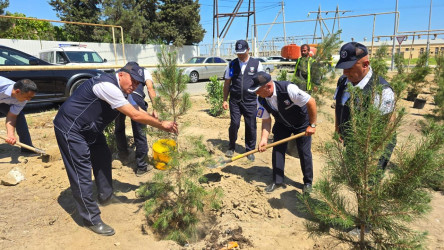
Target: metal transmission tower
<point x="220" y="34"/>
<point x="321" y="21"/>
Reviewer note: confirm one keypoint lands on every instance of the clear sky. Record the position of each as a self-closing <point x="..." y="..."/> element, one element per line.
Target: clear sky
<point x="414" y="15"/>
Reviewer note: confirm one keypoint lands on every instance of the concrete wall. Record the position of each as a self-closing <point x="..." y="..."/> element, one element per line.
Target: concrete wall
<point x="141" y="53"/>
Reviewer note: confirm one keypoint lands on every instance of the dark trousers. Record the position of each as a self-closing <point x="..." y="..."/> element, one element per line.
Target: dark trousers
<point x="80" y="155"/>
<point x="303" y="143"/>
<point x="248" y="110"/>
<point x="21" y="126"/>
<point x="139" y="133"/>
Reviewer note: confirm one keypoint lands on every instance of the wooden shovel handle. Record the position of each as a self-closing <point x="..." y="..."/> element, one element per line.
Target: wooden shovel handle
<point x="237" y="157"/>
<point x="39" y="151"/>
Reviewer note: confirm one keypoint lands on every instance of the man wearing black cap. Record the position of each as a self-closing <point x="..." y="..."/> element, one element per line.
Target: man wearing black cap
<point x="238" y="78"/>
<point x="295" y="112"/>
<point x="358" y="73"/>
<point x="79" y="126"/>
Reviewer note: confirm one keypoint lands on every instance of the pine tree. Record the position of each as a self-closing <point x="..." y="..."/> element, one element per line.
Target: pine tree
<point x="175" y="196"/>
<point x="354" y="192"/>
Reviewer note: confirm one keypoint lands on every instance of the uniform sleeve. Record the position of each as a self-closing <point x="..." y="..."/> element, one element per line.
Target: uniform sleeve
<point x="17" y="107"/>
<point x="227" y="72"/>
<point x="147" y="75"/>
<point x="110" y="93"/>
<point x="297" y="96"/>
<point x="260" y="67"/>
<point x="262" y="113"/>
<point x="387" y="104"/>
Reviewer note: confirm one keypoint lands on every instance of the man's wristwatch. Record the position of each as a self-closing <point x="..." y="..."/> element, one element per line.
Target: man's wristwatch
<point x="313" y="125"/>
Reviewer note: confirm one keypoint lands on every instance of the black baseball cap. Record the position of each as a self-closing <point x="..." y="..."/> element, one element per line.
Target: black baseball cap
<point x="350" y="53"/>
<point x="241" y="46"/>
<point x="259" y="79"/>
<point x="136" y="72"/>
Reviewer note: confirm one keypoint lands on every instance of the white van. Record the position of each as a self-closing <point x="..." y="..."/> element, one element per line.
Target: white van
<point x="73" y="54"/>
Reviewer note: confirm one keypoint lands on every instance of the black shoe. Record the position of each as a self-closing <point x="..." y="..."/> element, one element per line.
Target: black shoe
<point x="102" y="229"/>
<point x="251" y="157"/>
<point x="229" y="153"/>
<point x="307" y="188"/>
<point x="270" y="188"/>
<point x="110" y="200"/>
<point x="143" y="171"/>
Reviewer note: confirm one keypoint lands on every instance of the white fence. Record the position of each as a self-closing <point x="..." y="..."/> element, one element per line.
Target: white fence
<point x="141" y="53"/>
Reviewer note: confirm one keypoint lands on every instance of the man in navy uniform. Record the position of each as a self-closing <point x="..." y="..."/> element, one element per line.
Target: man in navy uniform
<point x="139" y="132"/>
<point x="358" y="73"/>
<point x="79" y="126"/>
<point x="295" y="112"/>
<point x="238" y="78"/>
<point x="13" y="98"/>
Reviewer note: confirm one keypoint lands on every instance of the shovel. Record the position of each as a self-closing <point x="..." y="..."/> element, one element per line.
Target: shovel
<point x="43" y="154"/>
<point x="222" y="162"/>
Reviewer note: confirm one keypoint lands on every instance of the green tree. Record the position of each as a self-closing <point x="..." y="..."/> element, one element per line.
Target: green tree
<point x="354" y="192"/>
<point x="5" y="23"/>
<point x="85" y="11"/>
<point x="178" y="22"/>
<point x="28" y="29"/>
<point x="135" y="16"/>
<point x="378" y="61"/>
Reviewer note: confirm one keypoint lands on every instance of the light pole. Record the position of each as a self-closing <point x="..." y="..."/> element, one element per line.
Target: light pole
<point x="394" y="36"/>
<point x="428" y="33"/>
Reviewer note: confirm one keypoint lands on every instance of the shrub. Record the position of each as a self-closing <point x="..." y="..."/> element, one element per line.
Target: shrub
<point x="215" y="96"/>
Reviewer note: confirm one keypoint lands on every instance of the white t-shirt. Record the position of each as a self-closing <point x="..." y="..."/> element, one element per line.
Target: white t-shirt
<point x="297" y="96"/>
<point x="112" y="94"/>
<point x="388" y="96"/>
<point x="242" y="65"/>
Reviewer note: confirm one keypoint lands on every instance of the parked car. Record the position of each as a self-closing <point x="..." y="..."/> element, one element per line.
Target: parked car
<point x="266" y="64"/>
<point x="275" y="58"/>
<point x="53" y="85"/>
<point x="73" y="54"/>
<point x="205" y="72"/>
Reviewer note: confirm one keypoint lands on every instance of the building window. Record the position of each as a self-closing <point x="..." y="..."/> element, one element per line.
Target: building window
<point x="406" y="49"/>
<point x="436" y="50"/>
<point x="421" y="51"/>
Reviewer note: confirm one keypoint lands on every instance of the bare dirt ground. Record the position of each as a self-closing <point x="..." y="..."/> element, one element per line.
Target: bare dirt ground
<point x="39" y="212"/>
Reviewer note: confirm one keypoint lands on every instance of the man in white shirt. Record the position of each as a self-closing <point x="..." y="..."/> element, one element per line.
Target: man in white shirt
<point x="294" y="111"/>
<point x="13" y="98"/>
<point x="79" y="126"/>
<point x="358" y="74"/>
<point x="238" y="78"/>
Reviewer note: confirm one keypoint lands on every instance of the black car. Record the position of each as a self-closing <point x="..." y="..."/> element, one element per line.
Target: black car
<point x="53" y="85"/>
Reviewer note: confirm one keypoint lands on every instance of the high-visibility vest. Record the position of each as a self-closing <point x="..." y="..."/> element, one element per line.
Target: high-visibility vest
<point x="310" y="60"/>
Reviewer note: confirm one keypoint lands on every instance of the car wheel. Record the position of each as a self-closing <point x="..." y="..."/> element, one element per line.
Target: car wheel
<point x="194" y="76"/>
<point x="267" y="71"/>
<point x="75" y="85"/>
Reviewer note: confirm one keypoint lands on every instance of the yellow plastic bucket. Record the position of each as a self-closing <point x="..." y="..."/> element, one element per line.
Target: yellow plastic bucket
<point x="161" y="152"/>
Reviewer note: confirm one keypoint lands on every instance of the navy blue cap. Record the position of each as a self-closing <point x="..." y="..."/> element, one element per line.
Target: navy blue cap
<point x="241" y="46"/>
<point x="259" y="79"/>
<point x="135" y="71"/>
<point x="350" y="53"/>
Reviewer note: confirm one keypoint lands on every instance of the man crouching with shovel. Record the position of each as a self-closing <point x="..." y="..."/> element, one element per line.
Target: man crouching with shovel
<point x="295" y="112"/>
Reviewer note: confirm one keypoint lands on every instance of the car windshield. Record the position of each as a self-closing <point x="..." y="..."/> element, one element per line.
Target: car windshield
<point x="83" y="57"/>
<point x="196" y="60"/>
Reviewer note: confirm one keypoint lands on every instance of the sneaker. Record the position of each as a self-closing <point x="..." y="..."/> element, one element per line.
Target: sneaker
<point x="251" y="157"/>
<point x="307" y="188"/>
<point x="143" y="171"/>
<point x="229" y="153"/>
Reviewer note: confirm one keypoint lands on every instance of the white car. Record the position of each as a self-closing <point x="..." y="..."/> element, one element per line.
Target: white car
<point x="267" y="65"/>
<point x="71" y="54"/>
<point x="205" y="72"/>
